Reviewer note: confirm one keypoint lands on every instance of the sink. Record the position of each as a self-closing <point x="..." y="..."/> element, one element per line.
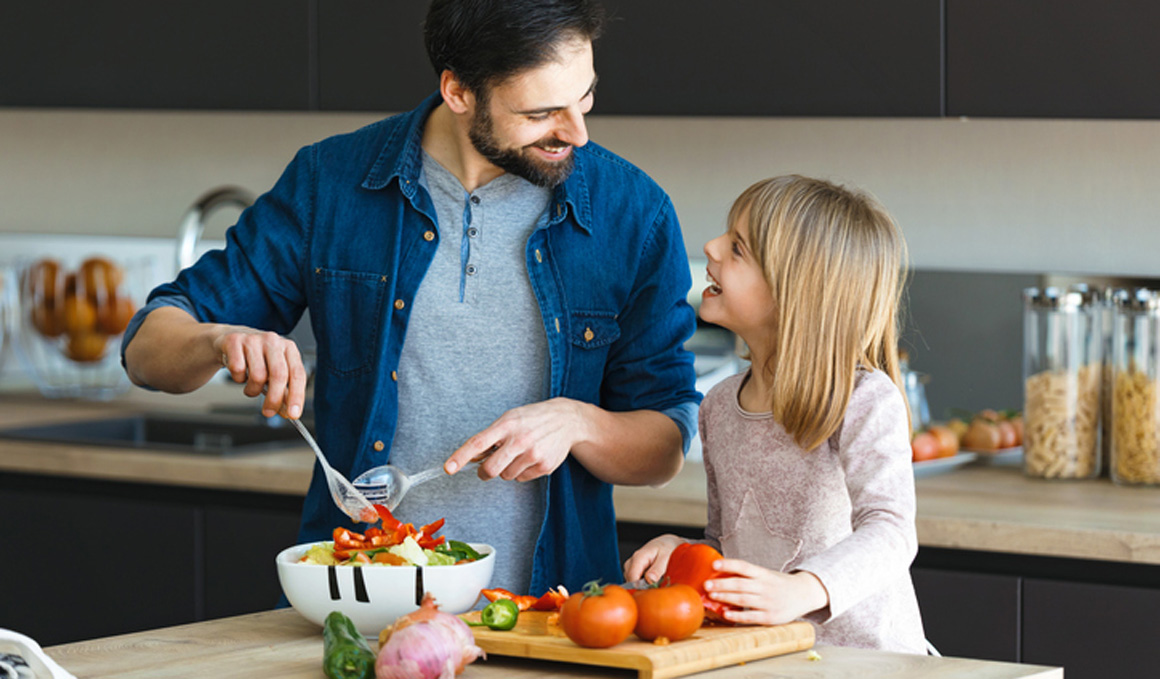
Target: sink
<point x="214" y="434"/>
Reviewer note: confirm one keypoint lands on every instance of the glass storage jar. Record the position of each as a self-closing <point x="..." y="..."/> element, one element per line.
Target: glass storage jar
<point x="1135" y="381"/>
<point x="1062" y="374"/>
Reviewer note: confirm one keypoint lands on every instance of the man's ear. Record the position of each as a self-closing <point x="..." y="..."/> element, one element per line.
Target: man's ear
<point x="457" y="97"/>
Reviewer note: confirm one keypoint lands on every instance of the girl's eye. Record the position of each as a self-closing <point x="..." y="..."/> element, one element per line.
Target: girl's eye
<point x="736" y="248"/>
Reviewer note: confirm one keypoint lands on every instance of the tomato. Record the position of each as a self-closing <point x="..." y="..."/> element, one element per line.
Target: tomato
<point x="1017" y="422"/>
<point x="948" y="440"/>
<point x="983" y="434"/>
<point x="924" y="446"/>
<point x="673" y="612"/>
<point x="600" y="616"/>
<point x="691" y="564"/>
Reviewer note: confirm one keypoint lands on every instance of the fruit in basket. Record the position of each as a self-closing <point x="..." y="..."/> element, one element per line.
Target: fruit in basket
<point x="86" y="306"/>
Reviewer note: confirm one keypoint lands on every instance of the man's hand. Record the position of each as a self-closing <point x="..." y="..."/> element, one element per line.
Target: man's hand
<point x="265" y="361"/>
<point x="765" y="597"/>
<point x="530" y="441"/>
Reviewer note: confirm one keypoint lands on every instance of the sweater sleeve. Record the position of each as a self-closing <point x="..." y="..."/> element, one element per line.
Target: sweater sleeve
<point x="874" y="452"/>
<point x="713" y="521"/>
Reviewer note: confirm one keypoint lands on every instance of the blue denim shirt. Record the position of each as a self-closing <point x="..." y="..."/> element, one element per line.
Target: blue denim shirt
<point x="348" y="232"/>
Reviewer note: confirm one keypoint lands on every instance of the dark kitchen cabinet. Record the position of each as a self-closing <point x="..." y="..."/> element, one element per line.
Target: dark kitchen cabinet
<point x="86" y="559"/>
<point x="1092" y="630"/>
<point x="78" y="565"/>
<point x="771" y="58"/>
<point x="970" y="615"/>
<point x="174" y="54"/>
<point x="1053" y="58"/>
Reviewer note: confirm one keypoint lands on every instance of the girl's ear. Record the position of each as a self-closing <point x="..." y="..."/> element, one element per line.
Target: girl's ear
<point x="457" y="97"/>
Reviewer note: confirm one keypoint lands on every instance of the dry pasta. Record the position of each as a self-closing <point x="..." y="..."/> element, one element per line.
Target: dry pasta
<point x="1135" y="449"/>
<point x="1062" y="423"/>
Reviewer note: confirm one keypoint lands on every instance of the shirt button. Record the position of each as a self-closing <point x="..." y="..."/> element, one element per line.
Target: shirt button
<point x="472" y="232"/>
<point x="379" y="445"/>
<point x="539" y="257"/>
<point x="428" y="236"/>
<point x="475" y="200"/>
<point x="588" y="334"/>
<point x="395" y="376"/>
<point x="471" y="269"/>
<point x="399" y="304"/>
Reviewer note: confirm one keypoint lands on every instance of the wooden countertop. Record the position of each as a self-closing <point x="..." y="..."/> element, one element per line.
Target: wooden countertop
<point x="282" y="645"/>
<point x="987" y="508"/>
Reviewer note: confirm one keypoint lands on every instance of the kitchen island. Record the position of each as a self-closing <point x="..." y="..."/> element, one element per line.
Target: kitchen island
<point x="1009" y="568"/>
<point x="283" y="645"/>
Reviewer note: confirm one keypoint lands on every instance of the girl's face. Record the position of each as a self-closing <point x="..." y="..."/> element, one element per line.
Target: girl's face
<point x="738" y="298"/>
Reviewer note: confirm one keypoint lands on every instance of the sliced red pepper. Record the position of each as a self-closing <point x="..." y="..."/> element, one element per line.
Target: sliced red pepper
<point x="429" y="529"/>
<point x="388" y="519"/>
<point x="348" y="539"/>
<point x="553" y="600"/>
<point x="523" y="601"/>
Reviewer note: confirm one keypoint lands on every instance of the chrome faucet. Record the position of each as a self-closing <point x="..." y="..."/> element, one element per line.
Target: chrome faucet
<point x="193" y="224"/>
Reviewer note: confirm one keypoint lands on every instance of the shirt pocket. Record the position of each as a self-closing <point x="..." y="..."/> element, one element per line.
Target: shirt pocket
<point x="591" y="333"/>
<point x="349" y="317"/>
<point x="750" y="538"/>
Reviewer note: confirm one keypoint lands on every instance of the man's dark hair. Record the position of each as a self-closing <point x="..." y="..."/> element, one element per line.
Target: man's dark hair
<point x="484" y="42"/>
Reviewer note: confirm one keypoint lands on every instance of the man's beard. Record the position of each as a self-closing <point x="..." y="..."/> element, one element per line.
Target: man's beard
<point x="519" y="162"/>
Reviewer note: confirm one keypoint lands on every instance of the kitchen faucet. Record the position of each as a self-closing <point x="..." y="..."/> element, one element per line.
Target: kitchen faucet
<point x="193" y="224"/>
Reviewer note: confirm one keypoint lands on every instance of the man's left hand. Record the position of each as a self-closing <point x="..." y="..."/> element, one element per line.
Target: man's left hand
<point x="529" y="442"/>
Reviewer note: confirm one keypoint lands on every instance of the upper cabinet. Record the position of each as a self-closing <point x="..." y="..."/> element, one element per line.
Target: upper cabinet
<point x="1053" y="58"/>
<point x="172" y="54"/>
<point x="771" y="58"/>
<point x="1042" y="58"/>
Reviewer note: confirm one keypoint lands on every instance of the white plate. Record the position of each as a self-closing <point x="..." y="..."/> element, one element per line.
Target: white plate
<point x="1003" y="457"/>
<point x="941" y="465"/>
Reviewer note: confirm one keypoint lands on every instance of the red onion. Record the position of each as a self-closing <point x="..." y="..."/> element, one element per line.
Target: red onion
<point x="426" y="644"/>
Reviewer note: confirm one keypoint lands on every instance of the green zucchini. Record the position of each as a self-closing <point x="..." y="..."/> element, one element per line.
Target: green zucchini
<point x="345" y="653"/>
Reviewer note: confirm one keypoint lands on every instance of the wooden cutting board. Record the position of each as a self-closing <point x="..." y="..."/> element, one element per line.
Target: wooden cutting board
<point x="712" y="646"/>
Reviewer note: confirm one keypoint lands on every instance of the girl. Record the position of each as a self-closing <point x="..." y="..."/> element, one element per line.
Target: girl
<point x="810" y="487"/>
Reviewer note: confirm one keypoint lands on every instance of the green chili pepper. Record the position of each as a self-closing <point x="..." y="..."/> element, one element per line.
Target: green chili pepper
<point x="500" y="614"/>
<point x="345" y="653"/>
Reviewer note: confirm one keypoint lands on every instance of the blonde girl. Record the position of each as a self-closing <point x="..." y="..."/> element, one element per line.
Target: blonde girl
<point x="807" y="454"/>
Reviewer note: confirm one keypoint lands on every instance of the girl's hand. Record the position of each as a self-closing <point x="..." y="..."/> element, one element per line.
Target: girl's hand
<point x="765" y="597"/>
<point x="651" y="560"/>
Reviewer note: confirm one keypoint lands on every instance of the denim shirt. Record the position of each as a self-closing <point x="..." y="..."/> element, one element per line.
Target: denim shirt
<point x="348" y="232"/>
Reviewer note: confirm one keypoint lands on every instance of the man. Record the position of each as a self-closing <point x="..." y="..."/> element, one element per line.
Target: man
<point x="478" y="276"/>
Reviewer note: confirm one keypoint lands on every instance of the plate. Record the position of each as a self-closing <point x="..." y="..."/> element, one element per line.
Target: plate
<point x="942" y="465"/>
<point x="1001" y="457"/>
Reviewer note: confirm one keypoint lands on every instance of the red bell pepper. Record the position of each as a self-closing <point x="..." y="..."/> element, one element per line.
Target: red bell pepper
<point x="552" y="600"/>
<point x="522" y="601"/>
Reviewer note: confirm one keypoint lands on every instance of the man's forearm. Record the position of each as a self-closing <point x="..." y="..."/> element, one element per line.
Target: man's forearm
<point x="172" y="352"/>
<point x="636" y="448"/>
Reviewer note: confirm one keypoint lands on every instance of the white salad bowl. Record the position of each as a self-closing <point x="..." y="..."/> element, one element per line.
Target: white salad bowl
<point x="375" y="596"/>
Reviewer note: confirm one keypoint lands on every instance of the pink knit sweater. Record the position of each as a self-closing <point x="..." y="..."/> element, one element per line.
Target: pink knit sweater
<point x="844" y="512"/>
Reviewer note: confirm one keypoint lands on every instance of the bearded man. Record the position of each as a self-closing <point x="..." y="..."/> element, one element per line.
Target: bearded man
<point x="482" y="281"/>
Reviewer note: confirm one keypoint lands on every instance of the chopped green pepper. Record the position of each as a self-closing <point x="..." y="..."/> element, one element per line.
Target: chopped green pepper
<point x="500" y="614"/>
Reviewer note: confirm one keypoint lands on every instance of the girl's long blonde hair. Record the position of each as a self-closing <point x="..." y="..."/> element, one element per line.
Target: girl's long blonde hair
<point x="836" y="264"/>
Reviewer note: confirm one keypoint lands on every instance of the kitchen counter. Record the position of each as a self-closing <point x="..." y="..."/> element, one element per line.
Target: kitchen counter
<point x="984" y="508"/>
<point x="282" y="645"/>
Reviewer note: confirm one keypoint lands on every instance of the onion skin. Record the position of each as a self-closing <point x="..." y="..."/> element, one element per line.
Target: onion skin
<point x="426" y="644"/>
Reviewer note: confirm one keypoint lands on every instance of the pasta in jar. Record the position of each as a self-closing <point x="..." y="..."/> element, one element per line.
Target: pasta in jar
<point x="1135" y="420"/>
<point x="1062" y="424"/>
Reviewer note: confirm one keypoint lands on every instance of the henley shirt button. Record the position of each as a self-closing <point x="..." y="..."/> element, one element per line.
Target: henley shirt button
<point x="472" y="232"/>
<point x="428" y="236"/>
<point x="539" y="257"/>
<point x="471" y="269"/>
<point x="399" y="304"/>
<point x="395" y="375"/>
<point x="475" y="200"/>
<point x="379" y="445"/>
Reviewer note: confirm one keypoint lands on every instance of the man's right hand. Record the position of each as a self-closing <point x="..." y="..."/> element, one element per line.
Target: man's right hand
<point x="174" y="352"/>
<point x="265" y="361"/>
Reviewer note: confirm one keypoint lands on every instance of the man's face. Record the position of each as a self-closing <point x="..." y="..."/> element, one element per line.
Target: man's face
<point x="528" y="124"/>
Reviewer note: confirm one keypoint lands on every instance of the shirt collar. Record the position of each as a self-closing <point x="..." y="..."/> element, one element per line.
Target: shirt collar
<point x="402" y="158"/>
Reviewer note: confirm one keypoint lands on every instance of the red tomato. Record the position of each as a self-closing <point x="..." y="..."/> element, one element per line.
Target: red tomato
<point x="692" y="564"/>
<point x="1007" y="434"/>
<point x="600" y="616"/>
<point x="948" y="441"/>
<point x="672" y="612"/>
<point x="924" y="446"/>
